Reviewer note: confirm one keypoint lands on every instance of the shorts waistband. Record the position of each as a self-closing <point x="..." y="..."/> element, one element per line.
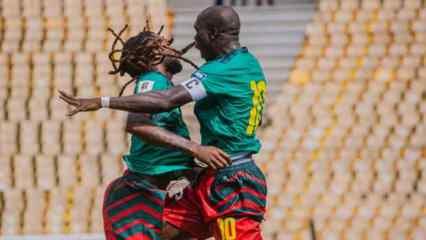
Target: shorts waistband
<point x="241" y="158"/>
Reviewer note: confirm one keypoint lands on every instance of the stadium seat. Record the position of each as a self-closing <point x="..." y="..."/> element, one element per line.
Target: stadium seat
<point x="13" y="208"/>
<point x="45" y="172"/>
<point x="9" y="138"/>
<point x="346" y="150"/>
<point x="35" y="200"/>
<point x="6" y="173"/>
<point x="82" y="201"/>
<point x="89" y="170"/>
<point x="24" y="175"/>
<point x="57" y="216"/>
<point x="370" y="109"/>
<point x="67" y="170"/>
<point x="49" y="162"/>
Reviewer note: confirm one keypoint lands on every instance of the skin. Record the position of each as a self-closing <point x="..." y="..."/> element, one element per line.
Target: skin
<point x="217" y="30"/>
<point x="217" y="33"/>
<point x="140" y="124"/>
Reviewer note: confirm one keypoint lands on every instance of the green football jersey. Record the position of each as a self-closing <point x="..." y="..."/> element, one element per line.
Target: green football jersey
<point x="150" y="159"/>
<point x="230" y="98"/>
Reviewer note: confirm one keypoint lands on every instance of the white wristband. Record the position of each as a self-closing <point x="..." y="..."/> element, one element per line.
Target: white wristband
<point x="105" y="102"/>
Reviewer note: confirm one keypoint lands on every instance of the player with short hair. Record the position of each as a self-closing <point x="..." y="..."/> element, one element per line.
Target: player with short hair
<point x="133" y="203"/>
<point x="229" y="93"/>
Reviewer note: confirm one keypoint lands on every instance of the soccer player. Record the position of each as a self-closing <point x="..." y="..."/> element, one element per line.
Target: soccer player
<point x="133" y="203"/>
<point x="229" y="93"/>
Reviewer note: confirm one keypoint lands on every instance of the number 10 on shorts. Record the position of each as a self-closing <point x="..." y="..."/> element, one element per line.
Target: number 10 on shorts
<point x="227" y="228"/>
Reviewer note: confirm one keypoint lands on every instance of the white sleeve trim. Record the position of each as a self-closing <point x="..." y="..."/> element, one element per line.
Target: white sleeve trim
<point x="195" y="88"/>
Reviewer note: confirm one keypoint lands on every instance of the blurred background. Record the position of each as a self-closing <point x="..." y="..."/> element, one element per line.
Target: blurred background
<point x="344" y="140"/>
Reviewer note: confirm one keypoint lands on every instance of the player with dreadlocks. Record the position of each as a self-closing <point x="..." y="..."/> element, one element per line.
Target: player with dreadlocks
<point x="133" y="203"/>
<point x="229" y="93"/>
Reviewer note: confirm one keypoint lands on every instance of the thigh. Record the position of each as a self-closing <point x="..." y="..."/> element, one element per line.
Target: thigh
<point x="132" y="210"/>
<point x="230" y="228"/>
<point x="183" y="213"/>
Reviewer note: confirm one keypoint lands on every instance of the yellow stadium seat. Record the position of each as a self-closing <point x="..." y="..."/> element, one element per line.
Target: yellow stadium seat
<point x="13" y="208"/>
<point x="13" y="114"/>
<point x="71" y="137"/>
<point x="73" y="7"/>
<point x="67" y="170"/>
<point x="344" y="16"/>
<point x="399" y="27"/>
<point x="45" y="171"/>
<point x="381" y="38"/>
<point x="422" y="13"/>
<point x="57" y="109"/>
<point x="50" y="137"/>
<point x="392" y="4"/>
<point x="300" y="77"/>
<point x="93" y="7"/>
<point x="56" y="210"/>
<point x="89" y="169"/>
<point x="96" y="212"/>
<point x="24" y="177"/>
<point x="370" y="5"/>
<point x="6" y="173"/>
<point x="111" y="167"/>
<point x="413" y="4"/>
<point x="407" y="14"/>
<point x="40" y="104"/>
<point x="331" y="5"/>
<point x="8" y="138"/>
<point x="80" y="211"/>
<point x="46" y="46"/>
<point x="350" y="5"/>
<point x="418" y="234"/>
<point x="29" y="131"/>
<point x="33" y="217"/>
<point x="52" y="8"/>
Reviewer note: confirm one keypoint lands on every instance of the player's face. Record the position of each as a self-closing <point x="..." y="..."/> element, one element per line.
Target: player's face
<point x="203" y="41"/>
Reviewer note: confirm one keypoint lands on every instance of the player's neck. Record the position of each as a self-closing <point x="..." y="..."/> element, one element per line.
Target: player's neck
<point x="230" y="47"/>
<point x="162" y="69"/>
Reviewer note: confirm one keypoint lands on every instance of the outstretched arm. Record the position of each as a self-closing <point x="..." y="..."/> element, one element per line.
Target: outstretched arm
<point x="141" y="126"/>
<point x="149" y="102"/>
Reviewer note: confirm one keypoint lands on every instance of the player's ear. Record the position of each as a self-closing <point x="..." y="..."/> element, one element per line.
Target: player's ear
<point x="213" y="34"/>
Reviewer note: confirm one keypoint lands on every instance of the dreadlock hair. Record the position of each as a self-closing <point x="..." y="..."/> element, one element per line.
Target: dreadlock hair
<point x="142" y="52"/>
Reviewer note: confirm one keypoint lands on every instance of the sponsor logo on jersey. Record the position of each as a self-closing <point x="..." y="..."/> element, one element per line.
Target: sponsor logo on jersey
<point x="145" y="86"/>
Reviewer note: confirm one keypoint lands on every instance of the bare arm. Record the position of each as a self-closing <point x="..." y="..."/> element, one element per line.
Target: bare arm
<point x="149" y="102"/>
<point x="153" y="101"/>
<point x="141" y="126"/>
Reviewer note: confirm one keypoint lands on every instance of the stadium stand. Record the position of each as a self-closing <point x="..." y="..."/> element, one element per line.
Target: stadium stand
<point x="53" y="169"/>
<point x="273" y="34"/>
<point x="347" y="147"/>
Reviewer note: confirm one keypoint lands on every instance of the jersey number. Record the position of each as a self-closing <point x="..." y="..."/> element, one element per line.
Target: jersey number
<point x="227" y="228"/>
<point x="258" y="100"/>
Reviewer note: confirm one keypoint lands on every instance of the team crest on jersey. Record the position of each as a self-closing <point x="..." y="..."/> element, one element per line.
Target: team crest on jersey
<point x="145" y="86"/>
<point x="199" y="75"/>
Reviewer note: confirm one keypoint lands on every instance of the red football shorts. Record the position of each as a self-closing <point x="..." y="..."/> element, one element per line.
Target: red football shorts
<point x="228" y="204"/>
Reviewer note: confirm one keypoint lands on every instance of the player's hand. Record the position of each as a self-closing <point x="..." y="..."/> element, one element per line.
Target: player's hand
<point x="80" y="104"/>
<point x="212" y="156"/>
